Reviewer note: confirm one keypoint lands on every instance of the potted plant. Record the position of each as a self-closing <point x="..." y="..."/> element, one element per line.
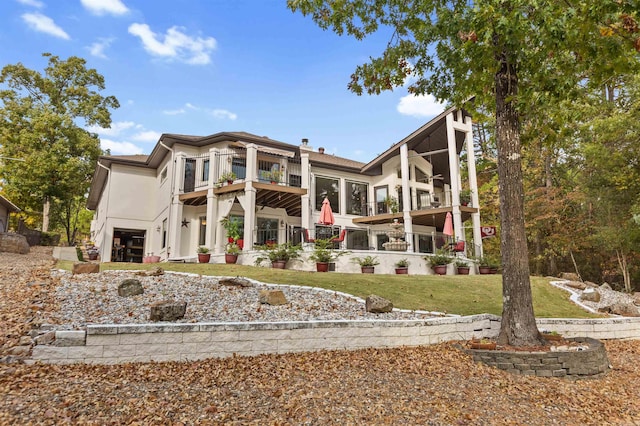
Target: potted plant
<point x="279" y="254"/>
<point x="402" y="267"/>
<point x="231" y="252"/>
<point x="465" y="197"/>
<point x="439" y="261"/>
<point x="367" y="263"/>
<point x="92" y="253"/>
<point x="463" y="267"/>
<point x="484" y="265"/>
<point x="234" y="234"/>
<point x="275" y="176"/>
<point x="228" y="177"/>
<point x="323" y="254"/>
<point x="203" y="254"/>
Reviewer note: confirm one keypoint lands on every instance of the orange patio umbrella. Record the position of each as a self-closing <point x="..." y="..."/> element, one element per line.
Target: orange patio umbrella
<point x="326" y="215"/>
<point x="448" y="225"/>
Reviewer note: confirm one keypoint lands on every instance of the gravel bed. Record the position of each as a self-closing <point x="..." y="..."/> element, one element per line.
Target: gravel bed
<point x="93" y="299"/>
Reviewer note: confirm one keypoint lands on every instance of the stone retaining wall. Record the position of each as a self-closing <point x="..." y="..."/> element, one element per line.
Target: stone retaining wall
<point x="590" y="361"/>
<point x="109" y="344"/>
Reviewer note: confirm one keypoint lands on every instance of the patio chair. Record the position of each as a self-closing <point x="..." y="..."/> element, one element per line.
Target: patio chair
<point x="340" y="239"/>
<point x="305" y="236"/>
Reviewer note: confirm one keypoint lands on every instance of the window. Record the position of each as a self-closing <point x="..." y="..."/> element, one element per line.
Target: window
<point x="189" y="174"/>
<point x="239" y="167"/>
<point x="205" y="170"/>
<point x="267" y="231"/>
<point x="329" y="188"/>
<point x="203" y="231"/>
<point x="382" y="192"/>
<point x="164" y="233"/>
<point x="357" y="239"/>
<point x="357" y="198"/>
<point x="421" y="176"/>
<point x="295" y="180"/>
<point x="163" y="174"/>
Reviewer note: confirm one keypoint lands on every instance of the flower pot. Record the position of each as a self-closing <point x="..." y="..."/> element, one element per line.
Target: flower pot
<point x="151" y="259"/>
<point x="484" y="270"/>
<point x="230" y="258"/>
<point x="463" y="270"/>
<point x="322" y="266"/>
<point x="229" y="182"/>
<point x="439" y="269"/>
<point x="204" y="257"/>
<point x="403" y="270"/>
<point x="368" y="269"/>
<point x="279" y="264"/>
<point x="493" y="270"/>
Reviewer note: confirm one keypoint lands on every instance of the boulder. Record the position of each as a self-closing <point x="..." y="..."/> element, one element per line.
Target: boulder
<point x="606" y="286"/>
<point x="576" y="284"/>
<point x="85" y="268"/>
<point x="236" y="282"/>
<point x="130" y="287"/>
<point x="272" y="297"/>
<point x="625" y="309"/>
<point x="590" y="295"/>
<point x="569" y="276"/>
<point x="45" y="338"/>
<point x="636" y="298"/>
<point x="155" y="272"/>
<point x="378" y="305"/>
<point x="167" y="311"/>
<point x="591" y="284"/>
<point x="11" y="242"/>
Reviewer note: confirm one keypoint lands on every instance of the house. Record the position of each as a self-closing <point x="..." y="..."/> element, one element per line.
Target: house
<point x="6" y="208"/>
<point x="171" y="201"/>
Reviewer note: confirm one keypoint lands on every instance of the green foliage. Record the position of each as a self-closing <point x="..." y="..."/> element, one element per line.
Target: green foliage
<point x="203" y="250"/>
<point x="232" y="248"/>
<point x="441" y="257"/>
<point x="275" y="252"/>
<point x="79" y="254"/>
<point x="402" y="263"/>
<point x="366" y="261"/>
<point x="323" y="252"/>
<point x="232" y="226"/>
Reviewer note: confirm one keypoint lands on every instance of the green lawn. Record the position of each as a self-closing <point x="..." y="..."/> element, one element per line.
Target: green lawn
<point x="456" y="294"/>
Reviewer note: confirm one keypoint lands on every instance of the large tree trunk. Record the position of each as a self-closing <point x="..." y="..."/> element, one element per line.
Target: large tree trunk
<point x="46" y="207"/>
<point x="518" y="326"/>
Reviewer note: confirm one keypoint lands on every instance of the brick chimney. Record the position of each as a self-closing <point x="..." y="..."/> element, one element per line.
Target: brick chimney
<point x="321" y="150"/>
<point x="304" y="146"/>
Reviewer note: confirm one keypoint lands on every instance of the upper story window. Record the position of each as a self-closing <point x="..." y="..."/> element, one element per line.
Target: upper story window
<point x="357" y="198"/>
<point x="163" y="174"/>
<point x="329" y="188"/>
<point x="421" y="176"/>
<point x="205" y="170"/>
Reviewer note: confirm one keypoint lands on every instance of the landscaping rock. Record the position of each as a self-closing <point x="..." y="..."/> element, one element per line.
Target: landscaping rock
<point x="85" y="268"/>
<point x="576" y="284"/>
<point x="626" y="309"/>
<point x="590" y="295"/>
<point x="237" y="282"/>
<point x="155" y="272"/>
<point x="569" y="276"/>
<point x="11" y="242"/>
<point x="272" y="297"/>
<point x="378" y="305"/>
<point x="606" y="286"/>
<point x="130" y="287"/>
<point x="46" y="338"/>
<point x="25" y="340"/>
<point x="167" y="311"/>
<point x="20" y="350"/>
<point x="636" y="298"/>
<point x="591" y="284"/>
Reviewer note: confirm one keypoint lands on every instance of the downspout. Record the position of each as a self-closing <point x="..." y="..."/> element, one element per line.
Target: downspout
<point x="106" y="210"/>
<point x="173" y="176"/>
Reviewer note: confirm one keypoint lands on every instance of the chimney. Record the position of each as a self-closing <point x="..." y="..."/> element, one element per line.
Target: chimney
<point x="304" y="146"/>
<point x="321" y="150"/>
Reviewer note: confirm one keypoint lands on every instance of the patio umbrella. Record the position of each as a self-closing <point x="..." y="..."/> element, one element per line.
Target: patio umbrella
<point x="448" y="225"/>
<point x="326" y="215"/>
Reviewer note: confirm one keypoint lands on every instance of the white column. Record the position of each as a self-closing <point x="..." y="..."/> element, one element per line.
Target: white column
<point x="305" y="219"/>
<point x="473" y="185"/>
<point x="212" y="201"/>
<point x="250" y="221"/>
<point x="454" y="175"/>
<point x="406" y="196"/>
<point x="175" y="227"/>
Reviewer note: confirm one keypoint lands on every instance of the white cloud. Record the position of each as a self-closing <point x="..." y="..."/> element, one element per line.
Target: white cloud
<point x="147" y="136"/>
<point x="32" y="3"/>
<point x="101" y="7"/>
<point x="115" y="129"/>
<point x="44" y="24"/>
<point x="174" y="111"/>
<point x="175" y="44"/>
<point x="224" y="114"/>
<point x="97" y="48"/>
<point x="120" y="148"/>
<point x="420" y="106"/>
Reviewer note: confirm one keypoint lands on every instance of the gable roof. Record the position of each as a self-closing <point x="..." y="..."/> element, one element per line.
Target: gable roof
<point x="8" y="205"/>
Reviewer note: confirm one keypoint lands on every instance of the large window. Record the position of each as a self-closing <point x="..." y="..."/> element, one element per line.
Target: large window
<point x="357" y="198"/>
<point x="357" y="239"/>
<point x="205" y="170"/>
<point x="329" y="188"/>
<point x="164" y="233"/>
<point x="202" y="237"/>
<point x="239" y="167"/>
<point x="382" y="192"/>
<point x="421" y="176"/>
<point x="267" y="231"/>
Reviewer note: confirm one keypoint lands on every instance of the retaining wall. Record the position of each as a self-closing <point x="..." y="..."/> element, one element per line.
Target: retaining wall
<point x="110" y="344"/>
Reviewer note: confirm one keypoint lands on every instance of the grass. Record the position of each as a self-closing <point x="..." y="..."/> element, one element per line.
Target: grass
<point x="456" y="294"/>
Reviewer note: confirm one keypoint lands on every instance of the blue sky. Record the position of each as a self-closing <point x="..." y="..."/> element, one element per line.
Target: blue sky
<point x="200" y="67"/>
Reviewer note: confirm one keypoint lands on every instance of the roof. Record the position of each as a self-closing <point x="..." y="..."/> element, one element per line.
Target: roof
<point x="333" y="161"/>
<point x="8" y="205"/>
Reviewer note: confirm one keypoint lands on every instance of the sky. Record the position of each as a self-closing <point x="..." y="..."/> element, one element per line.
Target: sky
<point x="199" y="67"/>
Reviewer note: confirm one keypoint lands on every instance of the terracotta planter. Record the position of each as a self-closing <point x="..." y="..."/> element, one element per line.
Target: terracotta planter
<point x="368" y="269"/>
<point x="151" y="259"/>
<point x="463" y="270"/>
<point x="93" y="256"/>
<point x="204" y="257"/>
<point x="279" y="264"/>
<point x="493" y="270"/>
<point x="439" y="269"/>
<point x="404" y="270"/>
<point x="322" y="266"/>
<point x="230" y="258"/>
<point x="484" y="270"/>
<point x="229" y="182"/>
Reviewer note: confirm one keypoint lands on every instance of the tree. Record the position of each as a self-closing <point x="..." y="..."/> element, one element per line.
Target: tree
<point x="40" y="122"/>
<point x="514" y="57"/>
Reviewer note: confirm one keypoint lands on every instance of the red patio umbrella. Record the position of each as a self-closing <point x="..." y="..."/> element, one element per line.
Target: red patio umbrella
<point x="448" y="225"/>
<point x="326" y="215"/>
